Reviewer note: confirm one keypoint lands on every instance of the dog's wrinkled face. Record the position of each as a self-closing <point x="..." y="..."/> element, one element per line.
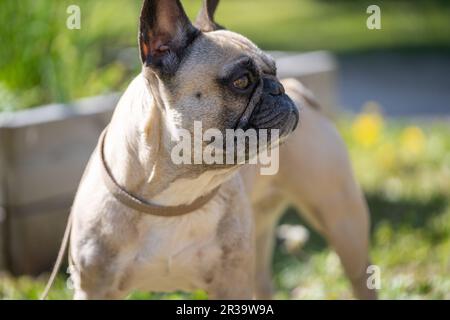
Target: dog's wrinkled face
<point x="230" y="83"/>
<point x="217" y="77"/>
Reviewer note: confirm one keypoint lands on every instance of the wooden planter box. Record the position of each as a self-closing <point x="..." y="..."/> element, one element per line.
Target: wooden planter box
<point x="43" y="152"/>
<point x="42" y="155"/>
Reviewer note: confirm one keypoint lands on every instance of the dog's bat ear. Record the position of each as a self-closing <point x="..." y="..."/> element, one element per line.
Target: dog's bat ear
<point x="164" y="32"/>
<point x="205" y="19"/>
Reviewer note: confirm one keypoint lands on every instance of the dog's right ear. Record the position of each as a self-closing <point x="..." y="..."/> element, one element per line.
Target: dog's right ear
<point x="164" y="33"/>
<point x="205" y="19"/>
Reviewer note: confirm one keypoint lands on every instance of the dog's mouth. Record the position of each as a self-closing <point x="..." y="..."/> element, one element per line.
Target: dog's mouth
<point x="271" y="109"/>
<point x="275" y="113"/>
<point x="267" y="121"/>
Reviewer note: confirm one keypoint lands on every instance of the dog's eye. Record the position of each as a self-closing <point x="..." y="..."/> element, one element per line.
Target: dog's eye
<point x="242" y="83"/>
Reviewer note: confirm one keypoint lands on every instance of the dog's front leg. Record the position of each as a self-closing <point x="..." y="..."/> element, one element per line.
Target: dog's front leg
<point x="97" y="270"/>
<point x="233" y="279"/>
<point x="97" y="282"/>
<point x="232" y="276"/>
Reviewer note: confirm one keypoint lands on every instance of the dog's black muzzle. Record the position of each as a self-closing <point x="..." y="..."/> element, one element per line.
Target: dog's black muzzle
<point x="275" y="110"/>
<point x="269" y="108"/>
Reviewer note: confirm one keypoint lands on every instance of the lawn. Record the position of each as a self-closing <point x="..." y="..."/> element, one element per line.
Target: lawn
<point x="405" y="172"/>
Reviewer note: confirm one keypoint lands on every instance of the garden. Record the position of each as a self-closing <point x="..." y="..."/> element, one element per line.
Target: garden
<point x="402" y="164"/>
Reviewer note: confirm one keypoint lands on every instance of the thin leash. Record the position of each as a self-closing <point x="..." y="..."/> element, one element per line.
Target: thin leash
<point x="59" y="259"/>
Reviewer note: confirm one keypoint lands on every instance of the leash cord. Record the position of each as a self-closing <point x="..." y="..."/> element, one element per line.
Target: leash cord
<point x="59" y="259"/>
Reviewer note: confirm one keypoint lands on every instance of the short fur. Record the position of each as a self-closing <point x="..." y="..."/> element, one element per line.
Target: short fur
<point x="115" y="249"/>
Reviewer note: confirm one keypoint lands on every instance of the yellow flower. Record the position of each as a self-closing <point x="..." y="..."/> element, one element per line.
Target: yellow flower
<point x="413" y="141"/>
<point x="366" y="129"/>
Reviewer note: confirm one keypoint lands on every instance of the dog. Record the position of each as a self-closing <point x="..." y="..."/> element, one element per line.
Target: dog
<point x="141" y="222"/>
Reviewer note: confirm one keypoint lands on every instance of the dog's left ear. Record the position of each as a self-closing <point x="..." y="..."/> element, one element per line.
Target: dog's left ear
<point x="205" y="19"/>
<point x="165" y="32"/>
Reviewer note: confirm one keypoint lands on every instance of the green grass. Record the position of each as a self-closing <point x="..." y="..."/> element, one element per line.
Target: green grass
<point x="41" y="61"/>
<point x="405" y="173"/>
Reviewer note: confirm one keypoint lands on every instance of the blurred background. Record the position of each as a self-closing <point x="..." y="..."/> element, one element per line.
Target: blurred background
<point x="392" y="105"/>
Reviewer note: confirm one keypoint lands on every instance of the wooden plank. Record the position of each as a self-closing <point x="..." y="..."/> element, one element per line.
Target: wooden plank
<point x="35" y="239"/>
<point x="47" y="159"/>
<point x="3" y="224"/>
<point x="42" y="163"/>
<point x="57" y="112"/>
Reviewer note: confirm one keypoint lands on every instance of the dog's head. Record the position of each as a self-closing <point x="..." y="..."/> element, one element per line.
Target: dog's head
<point x="204" y="73"/>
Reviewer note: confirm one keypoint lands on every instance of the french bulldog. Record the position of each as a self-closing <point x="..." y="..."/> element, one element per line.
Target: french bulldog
<point x="142" y="222"/>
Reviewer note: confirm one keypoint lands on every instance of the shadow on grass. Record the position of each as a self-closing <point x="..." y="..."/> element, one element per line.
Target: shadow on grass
<point x="399" y="214"/>
<point x="404" y="213"/>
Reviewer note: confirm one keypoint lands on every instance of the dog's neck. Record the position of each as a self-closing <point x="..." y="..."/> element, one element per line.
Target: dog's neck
<point x="137" y="155"/>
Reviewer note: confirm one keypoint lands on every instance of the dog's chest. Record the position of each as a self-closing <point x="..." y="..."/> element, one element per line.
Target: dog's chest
<point x="175" y="253"/>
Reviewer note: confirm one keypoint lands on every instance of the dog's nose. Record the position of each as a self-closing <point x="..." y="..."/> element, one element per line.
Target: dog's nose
<point x="273" y="87"/>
